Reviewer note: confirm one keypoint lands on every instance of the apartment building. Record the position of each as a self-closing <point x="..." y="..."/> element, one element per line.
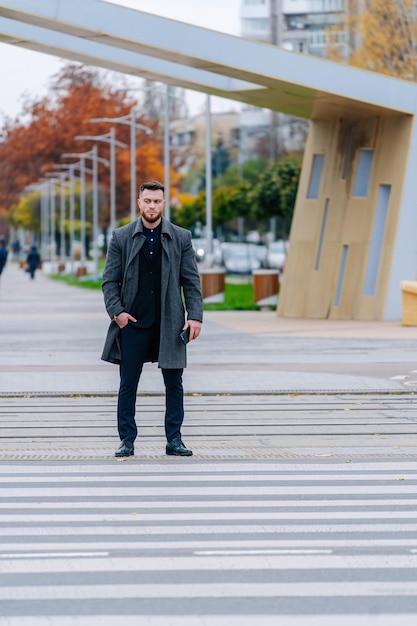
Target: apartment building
<point x="298" y="26"/>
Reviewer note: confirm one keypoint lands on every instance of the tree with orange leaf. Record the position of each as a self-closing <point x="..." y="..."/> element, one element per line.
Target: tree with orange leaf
<point x="35" y="141"/>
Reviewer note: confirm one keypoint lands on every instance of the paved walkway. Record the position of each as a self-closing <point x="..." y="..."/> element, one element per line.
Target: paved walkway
<point x="257" y="386"/>
<point x="52" y="335"/>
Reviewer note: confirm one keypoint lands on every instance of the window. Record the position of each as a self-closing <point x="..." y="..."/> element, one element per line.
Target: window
<point x="322" y="233"/>
<point x="363" y="172"/>
<point x="341" y="275"/>
<point x="255" y="25"/>
<point x="315" y="176"/>
<point x="348" y="153"/>
<point x="377" y="240"/>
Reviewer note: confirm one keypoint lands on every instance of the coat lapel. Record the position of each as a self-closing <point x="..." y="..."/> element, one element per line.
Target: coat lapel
<point x="166" y="236"/>
<point x="137" y="242"/>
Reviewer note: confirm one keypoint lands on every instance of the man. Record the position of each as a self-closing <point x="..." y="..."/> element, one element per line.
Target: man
<point x="150" y="282"/>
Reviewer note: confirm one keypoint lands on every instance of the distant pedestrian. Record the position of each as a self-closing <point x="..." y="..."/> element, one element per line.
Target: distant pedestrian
<point x="33" y="260"/>
<point x="3" y="255"/>
<point x="16" y="249"/>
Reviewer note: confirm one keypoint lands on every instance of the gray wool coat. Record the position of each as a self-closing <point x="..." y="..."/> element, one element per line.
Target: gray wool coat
<point x="180" y="288"/>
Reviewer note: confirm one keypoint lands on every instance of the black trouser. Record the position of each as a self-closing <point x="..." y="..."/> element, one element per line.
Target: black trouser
<point x="135" y="348"/>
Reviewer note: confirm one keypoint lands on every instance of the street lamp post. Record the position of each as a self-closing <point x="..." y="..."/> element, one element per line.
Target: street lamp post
<point x="53" y="179"/>
<point x="110" y="138"/>
<point x="95" y="211"/>
<point x="71" y="217"/>
<point x="60" y="177"/>
<point x="92" y="154"/>
<point x="167" y="177"/>
<point x="52" y="217"/>
<point x="41" y="187"/>
<point x="83" y="171"/>
<point x="129" y="119"/>
<point x="44" y="219"/>
<point x="209" y="219"/>
<point x="68" y="171"/>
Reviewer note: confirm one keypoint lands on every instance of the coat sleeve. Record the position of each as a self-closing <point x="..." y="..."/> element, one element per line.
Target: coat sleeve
<point x="190" y="280"/>
<point x="113" y="277"/>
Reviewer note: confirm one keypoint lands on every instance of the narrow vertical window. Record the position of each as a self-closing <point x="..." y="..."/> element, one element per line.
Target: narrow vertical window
<point x="363" y="172"/>
<point x="348" y="154"/>
<point x="322" y="233"/>
<point x="377" y="240"/>
<point x="315" y="176"/>
<point x="341" y="275"/>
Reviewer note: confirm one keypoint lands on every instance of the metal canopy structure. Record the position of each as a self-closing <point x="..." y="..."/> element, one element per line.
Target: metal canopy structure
<point x="223" y="65"/>
<point x="353" y="232"/>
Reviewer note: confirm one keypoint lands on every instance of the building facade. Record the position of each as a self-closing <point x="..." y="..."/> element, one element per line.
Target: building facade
<point x="298" y="26"/>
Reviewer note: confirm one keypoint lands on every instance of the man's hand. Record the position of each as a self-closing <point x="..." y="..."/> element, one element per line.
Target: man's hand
<point x="123" y="319"/>
<point x="195" y="328"/>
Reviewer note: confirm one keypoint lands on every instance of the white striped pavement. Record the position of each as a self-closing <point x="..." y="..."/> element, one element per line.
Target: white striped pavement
<point x="213" y="590"/>
<point x="210" y="529"/>
<point x="216" y="620"/>
<point x="191" y="517"/>
<point x="253" y="478"/>
<point x="218" y="544"/>
<point x="187" y="491"/>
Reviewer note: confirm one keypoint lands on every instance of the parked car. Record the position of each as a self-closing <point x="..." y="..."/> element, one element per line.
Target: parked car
<point x="201" y="251"/>
<point x="241" y="258"/>
<point x="276" y="254"/>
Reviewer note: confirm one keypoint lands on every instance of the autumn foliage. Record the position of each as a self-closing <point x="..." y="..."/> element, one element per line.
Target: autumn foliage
<point x="381" y="36"/>
<point x="35" y="141"/>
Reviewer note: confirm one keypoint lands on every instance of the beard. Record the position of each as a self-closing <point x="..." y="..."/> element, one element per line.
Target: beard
<point x="151" y="218"/>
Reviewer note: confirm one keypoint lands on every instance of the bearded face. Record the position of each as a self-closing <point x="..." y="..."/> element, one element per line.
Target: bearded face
<point x="151" y="205"/>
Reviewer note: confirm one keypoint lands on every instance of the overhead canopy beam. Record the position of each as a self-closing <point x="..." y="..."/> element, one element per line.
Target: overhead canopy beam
<point x="102" y="55"/>
<point x="303" y="85"/>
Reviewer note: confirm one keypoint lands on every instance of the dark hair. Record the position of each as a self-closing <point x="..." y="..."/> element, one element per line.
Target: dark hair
<point x="152" y="185"/>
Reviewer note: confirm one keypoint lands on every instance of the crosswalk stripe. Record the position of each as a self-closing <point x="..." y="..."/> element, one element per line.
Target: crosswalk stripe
<point x="226" y="477"/>
<point x="219" y="468"/>
<point x="409" y="545"/>
<point x="369" y="504"/>
<point x="82" y="518"/>
<point x="209" y="529"/>
<point x="220" y="563"/>
<point x="212" y="590"/>
<point x="228" y="490"/>
<point x="260" y="619"/>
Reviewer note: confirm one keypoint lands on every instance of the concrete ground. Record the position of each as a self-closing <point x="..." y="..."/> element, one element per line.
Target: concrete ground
<point x="297" y="508"/>
<point x="263" y="385"/>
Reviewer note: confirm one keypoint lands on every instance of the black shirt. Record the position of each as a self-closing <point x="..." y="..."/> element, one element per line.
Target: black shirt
<point x="152" y="235"/>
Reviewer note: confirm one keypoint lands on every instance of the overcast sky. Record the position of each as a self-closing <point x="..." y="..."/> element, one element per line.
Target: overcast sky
<point x="23" y="71"/>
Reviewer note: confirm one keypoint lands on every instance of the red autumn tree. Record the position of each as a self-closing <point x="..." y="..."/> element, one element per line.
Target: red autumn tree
<point x="45" y="130"/>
